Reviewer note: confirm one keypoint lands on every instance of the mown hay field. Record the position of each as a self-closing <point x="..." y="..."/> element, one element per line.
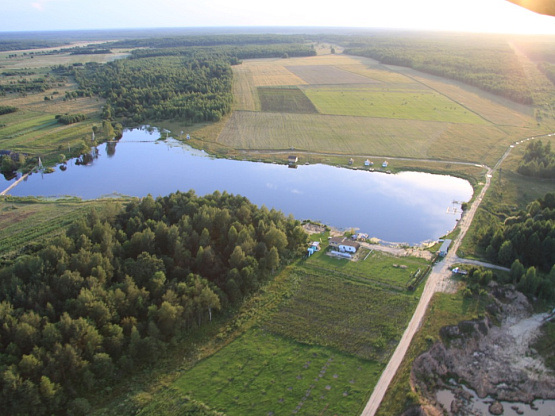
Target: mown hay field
<point x="285" y="100"/>
<point x="496" y="110"/>
<point x="333" y="134"/>
<point x="394" y="112"/>
<point x="327" y="74"/>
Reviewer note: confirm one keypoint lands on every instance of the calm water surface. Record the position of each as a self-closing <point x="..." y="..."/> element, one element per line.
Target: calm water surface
<point x="408" y="207"/>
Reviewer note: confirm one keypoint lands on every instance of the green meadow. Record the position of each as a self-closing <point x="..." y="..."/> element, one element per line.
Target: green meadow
<point x="262" y="373"/>
<point x="413" y="104"/>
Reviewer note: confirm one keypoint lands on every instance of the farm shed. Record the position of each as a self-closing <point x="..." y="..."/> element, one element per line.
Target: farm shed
<point x="444" y="247"/>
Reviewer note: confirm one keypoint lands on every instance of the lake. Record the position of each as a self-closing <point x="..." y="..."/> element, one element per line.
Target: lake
<point x="409" y="207"/>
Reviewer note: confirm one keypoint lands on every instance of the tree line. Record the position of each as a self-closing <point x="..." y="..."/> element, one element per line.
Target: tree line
<point x="538" y="160"/>
<point x="121" y="285"/>
<point x="232" y="53"/>
<point x="208" y="40"/>
<point x="7" y="109"/>
<point x="526" y="243"/>
<point x="70" y="118"/>
<point x="488" y="64"/>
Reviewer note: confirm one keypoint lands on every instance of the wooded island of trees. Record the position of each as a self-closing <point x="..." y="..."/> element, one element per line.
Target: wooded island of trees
<point x="526" y="243"/>
<point x="538" y="161"/>
<point x="111" y="294"/>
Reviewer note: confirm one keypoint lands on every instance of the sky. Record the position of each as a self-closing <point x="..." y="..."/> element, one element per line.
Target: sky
<point x="498" y="16"/>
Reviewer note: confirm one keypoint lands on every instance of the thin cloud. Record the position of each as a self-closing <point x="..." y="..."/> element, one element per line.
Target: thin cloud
<point x="39" y="5"/>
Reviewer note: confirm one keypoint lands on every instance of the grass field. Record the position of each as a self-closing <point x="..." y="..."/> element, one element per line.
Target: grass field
<point x="418" y="104"/>
<point x="369" y="109"/>
<point x="334" y="134"/>
<point x="334" y="311"/>
<point x="285" y="100"/>
<point x="34" y="129"/>
<point x="261" y="373"/>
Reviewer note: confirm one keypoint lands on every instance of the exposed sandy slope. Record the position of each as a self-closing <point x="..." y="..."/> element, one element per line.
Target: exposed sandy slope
<point x="493" y="360"/>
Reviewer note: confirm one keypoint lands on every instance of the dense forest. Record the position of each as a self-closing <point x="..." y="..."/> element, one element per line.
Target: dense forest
<point x="191" y="88"/>
<point x="548" y="69"/>
<point x="487" y="63"/>
<point x="20" y="44"/>
<point x="538" y="160"/>
<point x="122" y="285"/>
<point x="233" y="53"/>
<point x="526" y="243"/>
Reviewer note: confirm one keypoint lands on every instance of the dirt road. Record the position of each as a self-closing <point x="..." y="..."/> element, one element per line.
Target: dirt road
<point x="438" y="280"/>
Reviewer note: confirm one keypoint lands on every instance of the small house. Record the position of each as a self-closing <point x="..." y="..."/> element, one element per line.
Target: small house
<point x="292" y="159"/>
<point x="343" y="244"/>
<point x="384" y="164"/>
<point x="351" y="161"/>
<point x="368" y="163"/>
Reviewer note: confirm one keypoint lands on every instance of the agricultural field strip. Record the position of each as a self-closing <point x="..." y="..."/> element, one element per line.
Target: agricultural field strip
<point x="425" y="105"/>
<point x="451" y="98"/>
<point x="14" y="128"/>
<point x="355" y="277"/>
<point x="486" y="105"/>
<point x="19" y="233"/>
<point x="327" y="74"/>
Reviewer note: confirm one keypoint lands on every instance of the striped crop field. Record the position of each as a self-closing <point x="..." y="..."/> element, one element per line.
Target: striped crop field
<point x="366" y="108"/>
<point x="285" y="100"/>
<point x="406" y="104"/>
<point x="245" y="96"/>
<point x="335" y="134"/>
<point x="326" y="74"/>
<point x="271" y="75"/>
